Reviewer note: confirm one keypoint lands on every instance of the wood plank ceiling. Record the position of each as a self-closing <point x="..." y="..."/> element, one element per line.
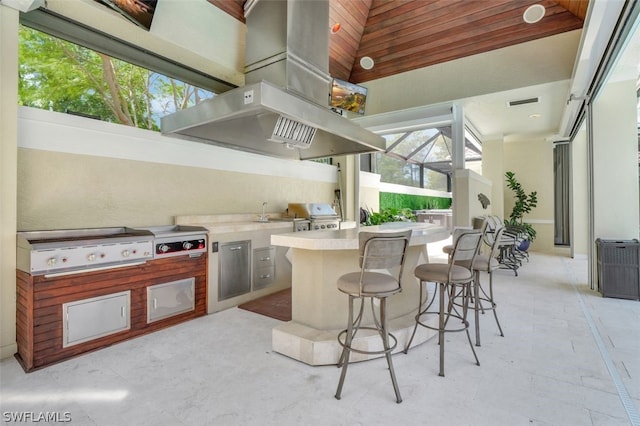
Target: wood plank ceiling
<point x="403" y="35"/>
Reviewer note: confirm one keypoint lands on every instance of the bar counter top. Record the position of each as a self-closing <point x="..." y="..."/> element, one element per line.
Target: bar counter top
<point x="347" y="239"/>
<point x="319" y="310"/>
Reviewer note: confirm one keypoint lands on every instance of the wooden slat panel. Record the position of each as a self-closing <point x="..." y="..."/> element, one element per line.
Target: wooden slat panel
<point x="412" y="36"/>
<point x="232" y="7"/>
<point x="39" y="323"/>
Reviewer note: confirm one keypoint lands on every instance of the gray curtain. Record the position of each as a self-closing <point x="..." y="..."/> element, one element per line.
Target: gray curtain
<point x="561" y="176"/>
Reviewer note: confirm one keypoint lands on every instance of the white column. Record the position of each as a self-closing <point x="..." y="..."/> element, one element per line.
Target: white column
<point x="8" y="180"/>
<point x="614" y="170"/>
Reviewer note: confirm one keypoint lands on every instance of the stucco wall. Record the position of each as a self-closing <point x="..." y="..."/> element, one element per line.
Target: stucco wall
<point x="532" y="162"/>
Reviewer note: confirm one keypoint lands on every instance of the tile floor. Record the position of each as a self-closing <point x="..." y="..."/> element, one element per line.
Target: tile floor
<point x="551" y="368"/>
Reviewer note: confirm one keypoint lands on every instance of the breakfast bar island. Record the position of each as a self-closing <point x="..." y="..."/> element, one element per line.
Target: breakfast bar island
<point x="319" y="310"/>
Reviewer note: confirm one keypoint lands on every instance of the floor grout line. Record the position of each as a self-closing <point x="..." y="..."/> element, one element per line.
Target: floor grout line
<point x="623" y="394"/>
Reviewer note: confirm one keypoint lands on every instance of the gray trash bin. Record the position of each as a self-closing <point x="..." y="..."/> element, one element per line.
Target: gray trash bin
<point x="619" y="268"/>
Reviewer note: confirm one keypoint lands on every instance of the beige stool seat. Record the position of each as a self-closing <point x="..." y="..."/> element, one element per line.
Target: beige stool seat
<point x="374" y="284"/>
<point x="378" y="251"/>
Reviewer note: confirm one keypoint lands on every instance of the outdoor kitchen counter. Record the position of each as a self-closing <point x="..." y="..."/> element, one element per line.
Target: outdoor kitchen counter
<point x="319" y="310"/>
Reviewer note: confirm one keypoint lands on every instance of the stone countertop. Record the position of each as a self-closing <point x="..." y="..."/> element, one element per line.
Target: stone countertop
<point x="226" y="223"/>
<point x="347" y="239"/>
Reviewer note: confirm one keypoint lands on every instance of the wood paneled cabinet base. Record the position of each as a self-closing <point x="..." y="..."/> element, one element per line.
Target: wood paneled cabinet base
<point x="60" y="317"/>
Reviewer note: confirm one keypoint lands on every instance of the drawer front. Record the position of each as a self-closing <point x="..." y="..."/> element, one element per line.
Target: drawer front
<point x="263" y="277"/>
<point x="265" y="256"/>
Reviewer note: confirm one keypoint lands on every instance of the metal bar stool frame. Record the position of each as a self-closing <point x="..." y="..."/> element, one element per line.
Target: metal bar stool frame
<point x="378" y="250"/>
<point x="458" y="278"/>
<point x="486" y="263"/>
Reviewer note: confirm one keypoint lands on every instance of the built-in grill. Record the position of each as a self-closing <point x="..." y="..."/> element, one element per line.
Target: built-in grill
<point x="74" y="293"/>
<point x="78" y="250"/>
<point x="320" y="215"/>
<point x="178" y="240"/>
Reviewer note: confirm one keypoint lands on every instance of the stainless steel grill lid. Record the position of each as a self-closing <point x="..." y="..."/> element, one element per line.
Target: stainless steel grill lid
<point x="312" y="210"/>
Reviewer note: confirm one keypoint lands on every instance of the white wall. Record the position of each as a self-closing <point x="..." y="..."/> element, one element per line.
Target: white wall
<point x="542" y="61"/>
<point x="579" y="194"/>
<point x="532" y="162"/>
<point x="8" y="155"/>
<point x="615" y="172"/>
<point x="76" y="172"/>
<point x="493" y="169"/>
<point x="467" y="186"/>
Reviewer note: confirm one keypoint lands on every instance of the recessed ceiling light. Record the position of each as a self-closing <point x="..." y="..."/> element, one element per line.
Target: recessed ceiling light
<point x="366" y="62"/>
<point x="335" y="28"/>
<point x="536" y="115"/>
<point x="533" y="14"/>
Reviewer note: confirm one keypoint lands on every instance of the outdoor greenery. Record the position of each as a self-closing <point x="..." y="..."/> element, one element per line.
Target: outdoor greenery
<point x="524" y="204"/>
<point x="61" y="76"/>
<point x="389" y="215"/>
<point x="413" y="202"/>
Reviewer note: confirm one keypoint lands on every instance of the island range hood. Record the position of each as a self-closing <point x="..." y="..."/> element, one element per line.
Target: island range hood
<point x="283" y="110"/>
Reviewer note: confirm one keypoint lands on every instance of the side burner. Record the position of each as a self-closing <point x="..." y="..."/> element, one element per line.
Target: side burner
<point x="178" y="240"/>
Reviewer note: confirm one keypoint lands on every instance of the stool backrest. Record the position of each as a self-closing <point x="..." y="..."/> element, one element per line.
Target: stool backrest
<point x="466" y="248"/>
<point x="383" y="250"/>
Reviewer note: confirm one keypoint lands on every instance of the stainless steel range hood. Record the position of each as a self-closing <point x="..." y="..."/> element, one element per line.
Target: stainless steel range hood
<point x="283" y="109"/>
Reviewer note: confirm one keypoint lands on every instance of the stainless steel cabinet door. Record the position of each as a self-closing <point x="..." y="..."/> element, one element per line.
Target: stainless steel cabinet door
<point x="234" y="269"/>
<point x="89" y="319"/>
<point x="169" y="299"/>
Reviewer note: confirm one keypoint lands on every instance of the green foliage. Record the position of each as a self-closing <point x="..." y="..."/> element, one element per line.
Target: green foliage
<point x="389" y="215"/>
<point x="64" y="77"/>
<point x="413" y="202"/>
<point x="524" y="204"/>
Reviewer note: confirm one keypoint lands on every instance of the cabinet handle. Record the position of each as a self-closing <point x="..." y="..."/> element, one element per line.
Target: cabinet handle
<point x="265" y="258"/>
<point x="122" y="311"/>
<point x="155" y="303"/>
<point x="265" y="276"/>
<point x="235" y="248"/>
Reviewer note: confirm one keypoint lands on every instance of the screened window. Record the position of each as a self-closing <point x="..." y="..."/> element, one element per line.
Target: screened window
<point x="61" y="76"/>
<point x="422" y="158"/>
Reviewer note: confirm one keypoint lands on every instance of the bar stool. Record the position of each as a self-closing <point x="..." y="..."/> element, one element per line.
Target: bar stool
<point x="378" y="251"/>
<point x="486" y="263"/>
<point x="451" y="278"/>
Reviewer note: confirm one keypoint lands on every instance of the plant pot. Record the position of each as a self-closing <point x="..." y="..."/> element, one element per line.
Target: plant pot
<point x="524" y="245"/>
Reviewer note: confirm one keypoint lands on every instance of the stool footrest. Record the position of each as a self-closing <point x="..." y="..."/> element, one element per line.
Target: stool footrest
<point x="341" y="342"/>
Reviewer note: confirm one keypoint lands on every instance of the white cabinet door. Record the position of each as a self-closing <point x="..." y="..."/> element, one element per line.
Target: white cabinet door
<point x="89" y="319"/>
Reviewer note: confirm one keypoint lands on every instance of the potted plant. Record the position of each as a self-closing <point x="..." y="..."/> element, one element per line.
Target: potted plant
<point x="524" y="204"/>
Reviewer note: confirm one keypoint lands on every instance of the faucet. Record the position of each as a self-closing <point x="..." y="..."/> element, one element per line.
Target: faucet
<point x="263" y="217"/>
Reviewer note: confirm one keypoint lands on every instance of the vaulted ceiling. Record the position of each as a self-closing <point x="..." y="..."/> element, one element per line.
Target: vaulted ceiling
<point x="403" y="35"/>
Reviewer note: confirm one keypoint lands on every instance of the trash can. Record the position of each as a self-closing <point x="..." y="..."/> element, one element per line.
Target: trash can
<point x="619" y="268"/>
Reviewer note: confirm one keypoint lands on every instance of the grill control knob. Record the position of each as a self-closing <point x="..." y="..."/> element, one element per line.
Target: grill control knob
<point x="52" y="261"/>
<point x="91" y="257"/>
<point x="125" y="253"/>
<point x="187" y="245"/>
<point x="163" y="248"/>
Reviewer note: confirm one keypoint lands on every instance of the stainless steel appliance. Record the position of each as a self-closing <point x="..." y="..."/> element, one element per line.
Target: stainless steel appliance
<point x="321" y="216"/>
<point x="78" y="250"/>
<point x="82" y="289"/>
<point x="178" y="240"/>
<point x="283" y="109"/>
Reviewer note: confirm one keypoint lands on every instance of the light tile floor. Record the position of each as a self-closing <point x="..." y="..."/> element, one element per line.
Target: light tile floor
<point x="220" y="370"/>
